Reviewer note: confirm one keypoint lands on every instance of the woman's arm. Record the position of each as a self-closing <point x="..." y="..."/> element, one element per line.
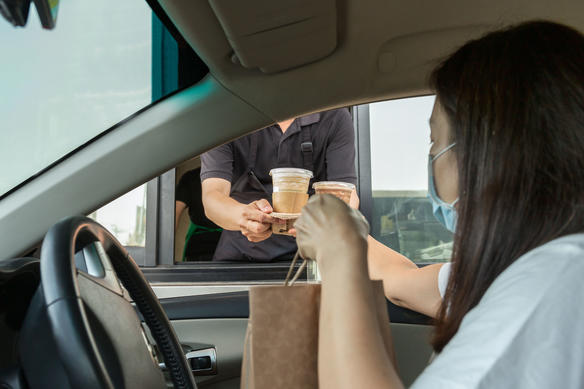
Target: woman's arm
<point x="354" y="346"/>
<point x="404" y="283"/>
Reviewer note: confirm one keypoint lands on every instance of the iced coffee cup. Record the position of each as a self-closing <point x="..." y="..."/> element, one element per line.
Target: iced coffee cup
<point x="290" y="194"/>
<point x="290" y="189"/>
<point x="339" y="189"/>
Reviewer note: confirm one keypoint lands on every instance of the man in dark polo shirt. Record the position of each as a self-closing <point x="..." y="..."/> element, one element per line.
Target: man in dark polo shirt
<point x="237" y="187"/>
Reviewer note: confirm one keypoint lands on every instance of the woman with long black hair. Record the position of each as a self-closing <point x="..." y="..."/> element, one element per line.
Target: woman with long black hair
<point x="507" y="161"/>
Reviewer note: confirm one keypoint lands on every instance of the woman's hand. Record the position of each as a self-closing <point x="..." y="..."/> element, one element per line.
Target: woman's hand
<point x="329" y="228"/>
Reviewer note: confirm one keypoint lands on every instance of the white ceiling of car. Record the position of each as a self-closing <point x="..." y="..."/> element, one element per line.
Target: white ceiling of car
<point x="385" y="48"/>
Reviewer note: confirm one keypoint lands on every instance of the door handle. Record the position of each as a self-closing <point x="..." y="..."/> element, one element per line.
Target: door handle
<point x="202" y="362"/>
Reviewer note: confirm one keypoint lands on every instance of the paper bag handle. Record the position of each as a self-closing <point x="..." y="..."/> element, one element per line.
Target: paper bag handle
<point x="288" y="281"/>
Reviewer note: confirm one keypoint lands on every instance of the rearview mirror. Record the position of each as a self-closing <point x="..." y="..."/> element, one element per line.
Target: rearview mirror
<point x="16" y="11"/>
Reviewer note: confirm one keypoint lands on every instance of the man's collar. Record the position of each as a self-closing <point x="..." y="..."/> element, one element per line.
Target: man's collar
<point x="309" y="119"/>
<point x="300" y="122"/>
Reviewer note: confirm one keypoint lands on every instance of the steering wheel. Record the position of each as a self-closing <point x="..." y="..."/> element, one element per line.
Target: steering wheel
<point x="97" y="332"/>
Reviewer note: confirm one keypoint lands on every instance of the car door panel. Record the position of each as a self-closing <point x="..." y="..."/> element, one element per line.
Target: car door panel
<point x="221" y="320"/>
<point x="236" y="305"/>
<point x="227" y="336"/>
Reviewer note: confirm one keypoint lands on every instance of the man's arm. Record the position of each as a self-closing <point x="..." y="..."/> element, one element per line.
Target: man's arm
<point x="179" y="209"/>
<point x="253" y="220"/>
<point x="404" y="283"/>
<point x="216" y="173"/>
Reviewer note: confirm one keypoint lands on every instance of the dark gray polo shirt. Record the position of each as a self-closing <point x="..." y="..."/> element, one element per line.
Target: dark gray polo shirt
<point x="333" y="155"/>
<point x="333" y="140"/>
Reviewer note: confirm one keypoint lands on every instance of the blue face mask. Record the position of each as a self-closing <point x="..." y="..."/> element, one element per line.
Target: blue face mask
<point x="445" y="213"/>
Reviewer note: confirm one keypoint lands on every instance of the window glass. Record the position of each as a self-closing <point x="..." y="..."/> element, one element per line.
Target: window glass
<point x="62" y="87"/>
<point x="402" y="212"/>
<point x="125" y="217"/>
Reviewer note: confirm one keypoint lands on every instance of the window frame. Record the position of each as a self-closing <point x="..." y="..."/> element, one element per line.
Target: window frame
<point x="158" y="258"/>
<point x="159" y="265"/>
<point x="363" y="136"/>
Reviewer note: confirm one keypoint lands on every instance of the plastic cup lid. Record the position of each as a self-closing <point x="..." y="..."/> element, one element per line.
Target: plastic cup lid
<point x="332" y="185"/>
<point x="290" y="171"/>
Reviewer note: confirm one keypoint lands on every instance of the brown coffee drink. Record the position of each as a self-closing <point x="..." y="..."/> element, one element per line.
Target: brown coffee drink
<point x="339" y="189"/>
<point x="290" y="189"/>
<point x="289" y="202"/>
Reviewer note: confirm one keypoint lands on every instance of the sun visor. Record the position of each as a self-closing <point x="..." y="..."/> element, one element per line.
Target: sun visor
<point x="278" y="35"/>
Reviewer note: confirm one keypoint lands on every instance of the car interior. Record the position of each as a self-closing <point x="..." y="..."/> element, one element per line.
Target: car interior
<point x="75" y="311"/>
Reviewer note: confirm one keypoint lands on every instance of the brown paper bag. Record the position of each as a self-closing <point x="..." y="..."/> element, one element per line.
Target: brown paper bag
<point x="281" y="342"/>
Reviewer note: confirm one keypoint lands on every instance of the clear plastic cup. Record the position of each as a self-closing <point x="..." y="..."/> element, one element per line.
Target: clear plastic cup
<point x="339" y="189"/>
<point x="290" y="189"/>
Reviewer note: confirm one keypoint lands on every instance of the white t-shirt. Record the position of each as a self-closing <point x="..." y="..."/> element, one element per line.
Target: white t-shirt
<point x="527" y="332"/>
<point x="443" y="275"/>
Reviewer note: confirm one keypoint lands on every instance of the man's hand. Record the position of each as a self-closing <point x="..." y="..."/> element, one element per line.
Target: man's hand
<point x="253" y="220"/>
<point x="255" y="223"/>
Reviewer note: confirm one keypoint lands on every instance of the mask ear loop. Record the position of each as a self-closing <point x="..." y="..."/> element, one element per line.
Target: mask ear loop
<point x="288" y="281"/>
<point x="431" y="175"/>
<point x="443" y="151"/>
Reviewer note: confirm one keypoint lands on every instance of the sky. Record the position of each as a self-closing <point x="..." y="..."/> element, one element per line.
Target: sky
<point x="400" y="141"/>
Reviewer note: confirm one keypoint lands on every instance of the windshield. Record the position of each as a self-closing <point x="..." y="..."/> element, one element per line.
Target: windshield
<point x="62" y="87"/>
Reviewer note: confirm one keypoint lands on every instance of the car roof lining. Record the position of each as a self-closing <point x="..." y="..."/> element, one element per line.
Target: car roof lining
<point x="274" y="36"/>
<point x="370" y="32"/>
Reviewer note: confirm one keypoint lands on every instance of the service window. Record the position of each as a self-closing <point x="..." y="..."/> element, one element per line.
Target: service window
<point x="402" y="213"/>
<point x="322" y="143"/>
